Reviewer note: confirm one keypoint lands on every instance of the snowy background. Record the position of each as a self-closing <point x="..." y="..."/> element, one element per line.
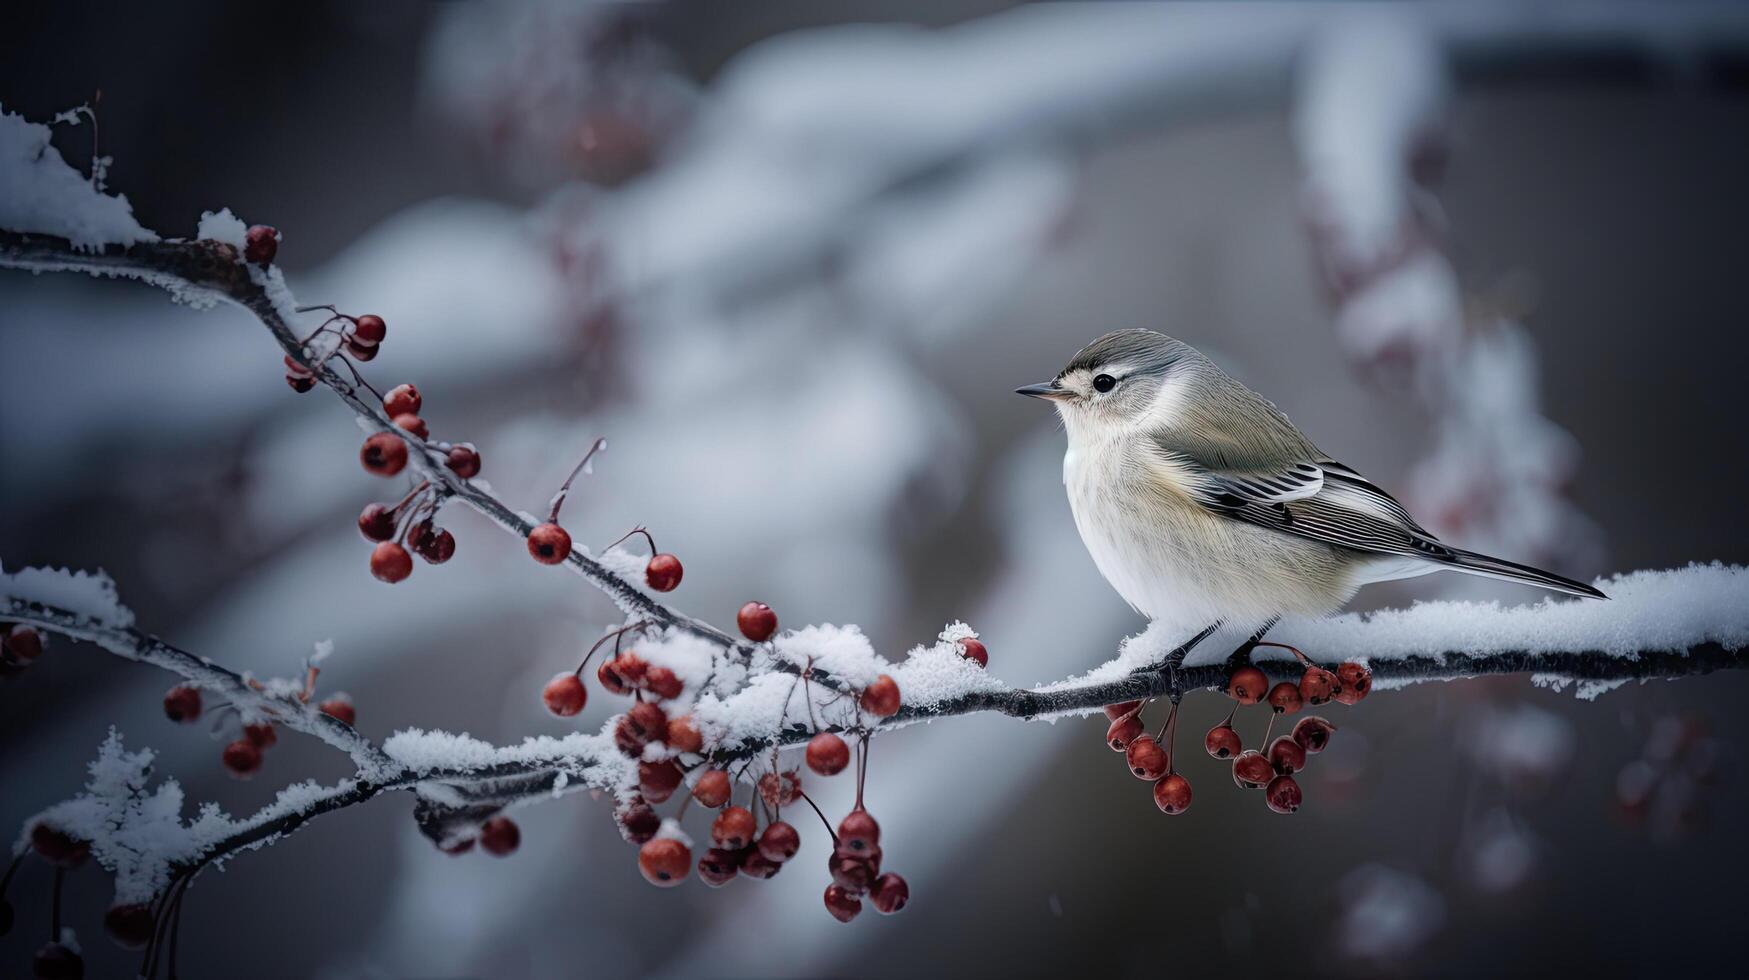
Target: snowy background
<point x="793" y="262"/>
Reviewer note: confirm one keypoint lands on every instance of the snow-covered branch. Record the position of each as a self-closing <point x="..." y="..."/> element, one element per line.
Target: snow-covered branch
<point x="1660" y="625"/>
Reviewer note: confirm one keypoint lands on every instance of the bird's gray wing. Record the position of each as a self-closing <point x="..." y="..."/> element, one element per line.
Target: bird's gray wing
<point x="1315" y="498"/>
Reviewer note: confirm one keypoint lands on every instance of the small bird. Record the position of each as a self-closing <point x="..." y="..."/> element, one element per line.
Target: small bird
<point x="1202" y="504"/>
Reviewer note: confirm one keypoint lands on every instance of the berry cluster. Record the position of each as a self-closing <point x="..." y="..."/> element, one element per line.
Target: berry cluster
<point x="255" y="731"/>
<point x="741" y="845"/>
<point x="1271" y="766"/>
<point x="409" y="527"/>
<point x="20" y="646"/>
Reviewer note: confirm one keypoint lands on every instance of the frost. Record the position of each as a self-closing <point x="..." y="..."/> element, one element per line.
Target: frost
<point x="671" y="830"/>
<point x="91" y="595"/>
<point x="324" y="650"/>
<point x="40" y="193"/>
<point x="223" y="226"/>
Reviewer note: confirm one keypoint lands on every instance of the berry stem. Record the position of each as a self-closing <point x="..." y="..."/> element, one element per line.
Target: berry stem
<point x="1283" y="646"/>
<point x="826" y="823"/>
<point x="565" y="488"/>
<point x="636" y="530"/>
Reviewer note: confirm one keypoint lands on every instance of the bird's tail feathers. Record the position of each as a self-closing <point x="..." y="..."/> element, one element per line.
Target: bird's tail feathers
<point x="1479" y="564"/>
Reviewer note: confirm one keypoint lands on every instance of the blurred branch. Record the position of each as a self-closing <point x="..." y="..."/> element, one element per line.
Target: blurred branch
<point x="1064" y="77"/>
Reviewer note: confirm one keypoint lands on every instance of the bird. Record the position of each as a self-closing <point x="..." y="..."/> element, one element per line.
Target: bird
<point x="1203" y="505"/>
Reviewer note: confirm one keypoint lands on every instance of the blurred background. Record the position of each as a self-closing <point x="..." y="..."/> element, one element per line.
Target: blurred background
<point x="792" y="258"/>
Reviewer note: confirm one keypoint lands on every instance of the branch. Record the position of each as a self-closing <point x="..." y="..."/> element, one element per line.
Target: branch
<point x="459" y="798"/>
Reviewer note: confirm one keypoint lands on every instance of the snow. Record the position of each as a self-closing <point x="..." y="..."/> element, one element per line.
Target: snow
<point x="592" y="758"/>
<point x="223" y="226"/>
<point x="91" y="595"/>
<point x="40" y="193"/>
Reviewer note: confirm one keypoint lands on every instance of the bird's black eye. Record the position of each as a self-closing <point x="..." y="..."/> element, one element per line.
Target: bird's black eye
<point x="1104" y="382"/>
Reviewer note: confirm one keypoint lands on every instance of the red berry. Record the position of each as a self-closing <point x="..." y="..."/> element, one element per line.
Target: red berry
<point x="565" y="694"/>
<point x="261" y="734"/>
<point x="1122" y="732"/>
<point x="890" y="893"/>
<point x="436" y="545"/>
<point x="261" y="244"/>
<point x="827" y="754"/>
<point x="843" y="905"/>
<point x="1285" y="698"/>
<point x="779" y="842"/>
<point x="242" y="758"/>
<point x="549" y="544"/>
<point x="376" y="522"/>
<point x="1286" y="755"/>
<point x="295" y="370"/>
<point x="402" y="400"/>
<point x="1222" y="742"/>
<point x="713" y="788"/>
<point x="631" y="668"/>
<point x="1317" y="685"/>
<point x="300" y="383"/>
<point x="757" y="865"/>
<point x="854" y="871"/>
<point x="59" y="847"/>
<point x="718" y="867"/>
<point x="663" y="572"/>
<point x="130" y="925"/>
<point x="881" y="697"/>
<point x="463" y="461"/>
<point x="683" y="735"/>
<point x="182" y="704"/>
<point x="24" y="643"/>
<point x="1116" y="711"/>
<point x="757" y="621"/>
<point x="611" y="681"/>
<point x="663" y="683"/>
<point x="658" y="780"/>
<point x="638" y="822"/>
<point x="1251" y="769"/>
<point x="780" y="789"/>
<point x="457" y="848"/>
<point x="642" y="724"/>
<point x="413" y="424"/>
<point x="500" y="836"/>
<point x="361" y="352"/>
<point x="1172" y="794"/>
<point x="340" y="708"/>
<point x="1313" y="733"/>
<point x="664" y="862"/>
<point x="858" y="831"/>
<point x="390" y="563"/>
<point x="54" y="961"/>
<point x="1247" y="685"/>
<point x="1146" y="758"/>
<point x="384" y="454"/>
<point x="369" y="330"/>
<point x="733" y="828"/>
<point x="974" y="651"/>
<point x="1283" y="794"/>
<point x="1355" y="682"/>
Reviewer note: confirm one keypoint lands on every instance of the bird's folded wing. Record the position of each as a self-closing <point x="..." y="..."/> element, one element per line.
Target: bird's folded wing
<point x="1320" y="500"/>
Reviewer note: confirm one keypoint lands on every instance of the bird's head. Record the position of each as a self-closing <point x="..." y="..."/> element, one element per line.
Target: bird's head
<point x="1120" y="380"/>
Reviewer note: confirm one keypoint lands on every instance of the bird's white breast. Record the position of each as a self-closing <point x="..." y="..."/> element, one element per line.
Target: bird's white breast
<point x="1172" y="559"/>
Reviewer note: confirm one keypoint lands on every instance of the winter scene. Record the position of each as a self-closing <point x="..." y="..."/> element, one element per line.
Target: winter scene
<point x="563" y="488"/>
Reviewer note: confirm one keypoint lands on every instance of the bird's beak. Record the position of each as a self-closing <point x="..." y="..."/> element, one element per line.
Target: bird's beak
<point x="1046" y="389"/>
